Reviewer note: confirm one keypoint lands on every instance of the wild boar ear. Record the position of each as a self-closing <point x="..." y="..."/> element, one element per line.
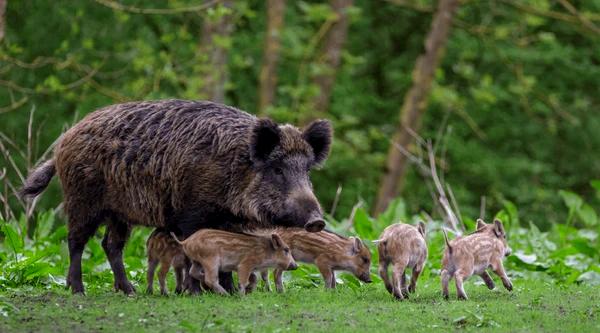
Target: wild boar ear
<point x="480" y="224"/>
<point x="318" y="134"/>
<point x="276" y="241"/>
<point x="498" y="228"/>
<point x="421" y="227"/>
<point x="266" y="135"/>
<point x="356" y="245"/>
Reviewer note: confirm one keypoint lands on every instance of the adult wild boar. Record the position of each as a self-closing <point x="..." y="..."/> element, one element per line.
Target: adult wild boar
<point x="183" y="165"/>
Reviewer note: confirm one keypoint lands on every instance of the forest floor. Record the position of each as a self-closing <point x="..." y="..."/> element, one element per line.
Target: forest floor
<point x="532" y="306"/>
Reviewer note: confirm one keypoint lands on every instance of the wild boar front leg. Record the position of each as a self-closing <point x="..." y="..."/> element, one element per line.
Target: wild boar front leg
<point x="384" y="274"/>
<point x="498" y="268"/>
<point x="399" y="280"/>
<point x="488" y="280"/>
<point x="415" y="276"/>
<point x="278" y="277"/>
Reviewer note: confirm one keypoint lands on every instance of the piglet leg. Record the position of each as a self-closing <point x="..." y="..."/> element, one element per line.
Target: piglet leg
<point x="327" y="274"/>
<point x="445" y="280"/>
<point x="459" y="278"/>
<point x="415" y="276"/>
<point x="384" y="274"/>
<point x="488" y="280"/>
<point x="278" y="277"/>
<point x="498" y="268"/>
<point x="211" y="277"/>
<point x="398" y="280"/>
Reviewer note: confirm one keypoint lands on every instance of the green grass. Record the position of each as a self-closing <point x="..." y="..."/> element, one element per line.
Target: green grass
<point x="532" y="306"/>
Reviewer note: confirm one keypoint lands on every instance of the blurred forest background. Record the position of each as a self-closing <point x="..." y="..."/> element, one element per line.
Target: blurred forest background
<point x="507" y="90"/>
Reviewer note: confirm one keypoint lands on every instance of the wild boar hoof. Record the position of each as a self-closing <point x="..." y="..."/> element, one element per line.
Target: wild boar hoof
<point x="509" y="287"/>
<point x="126" y="287"/>
<point x="463" y="297"/>
<point x="149" y="291"/>
<point x="446" y="296"/>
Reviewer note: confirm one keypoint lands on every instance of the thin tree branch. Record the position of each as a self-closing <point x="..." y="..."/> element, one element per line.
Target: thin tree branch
<point x="156" y="11"/>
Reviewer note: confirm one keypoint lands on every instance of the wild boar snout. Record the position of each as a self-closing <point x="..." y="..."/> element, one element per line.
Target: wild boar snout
<point x="316" y="224"/>
<point x="292" y="266"/>
<point x="304" y="210"/>
<point x="507" y="251"/>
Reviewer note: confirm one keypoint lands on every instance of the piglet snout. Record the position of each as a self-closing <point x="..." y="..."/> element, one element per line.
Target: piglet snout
<point x="366" y="277"/>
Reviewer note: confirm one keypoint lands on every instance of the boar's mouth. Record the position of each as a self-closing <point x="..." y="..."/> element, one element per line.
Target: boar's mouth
<point x="315" y="225"/>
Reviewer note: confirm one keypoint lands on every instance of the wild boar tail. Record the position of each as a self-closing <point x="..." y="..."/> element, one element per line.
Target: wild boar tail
<point x="175" y="238"/>
<point x="38" y="180"/>
<point x="447" y="241"/>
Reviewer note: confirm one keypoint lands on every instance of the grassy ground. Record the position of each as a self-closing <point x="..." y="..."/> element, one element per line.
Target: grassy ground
<point x="533" y="306"/>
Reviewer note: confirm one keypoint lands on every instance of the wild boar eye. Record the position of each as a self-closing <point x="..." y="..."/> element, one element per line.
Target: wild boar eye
<point x="278" y="171"/>
<point x="286" y="251"/>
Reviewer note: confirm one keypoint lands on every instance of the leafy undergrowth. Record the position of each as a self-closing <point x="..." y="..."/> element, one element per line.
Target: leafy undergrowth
<point x="532" y="306"/>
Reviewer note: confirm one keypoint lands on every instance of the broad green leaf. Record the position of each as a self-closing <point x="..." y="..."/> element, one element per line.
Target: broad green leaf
<point x="363" y="225"/>
<point x="12" y="239"/>
<point x="587" y="214"/>
<point x="571" y="200"/>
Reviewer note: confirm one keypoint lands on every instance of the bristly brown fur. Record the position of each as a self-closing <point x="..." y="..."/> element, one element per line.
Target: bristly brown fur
<point x="212" y="251"/>
<point x="181" y="165"/>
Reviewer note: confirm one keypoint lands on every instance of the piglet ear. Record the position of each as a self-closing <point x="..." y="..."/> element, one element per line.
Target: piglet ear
<point x="266" y="135"/>
<point x="356" y="244"/>
<point x="480" y="224"/>
<point x="318" y="134"/>
<point x="421" y="228"/>
<point x="498" y="228"/>
<point x="276" y="241"/>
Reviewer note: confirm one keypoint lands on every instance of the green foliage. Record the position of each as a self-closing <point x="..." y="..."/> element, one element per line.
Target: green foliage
<point x="567" y="253"/>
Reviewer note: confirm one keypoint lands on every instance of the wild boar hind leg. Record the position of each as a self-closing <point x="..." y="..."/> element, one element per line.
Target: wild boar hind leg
<point x="117" y="233"/>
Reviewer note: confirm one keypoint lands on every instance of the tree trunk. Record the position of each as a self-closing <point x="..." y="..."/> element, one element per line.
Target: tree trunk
<point x="2" y="18"/>
<point x="331" y="54"/>
<point x="415" y="102"/>
<point x="268" y="71"/>
<point x="213" y="52"/>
